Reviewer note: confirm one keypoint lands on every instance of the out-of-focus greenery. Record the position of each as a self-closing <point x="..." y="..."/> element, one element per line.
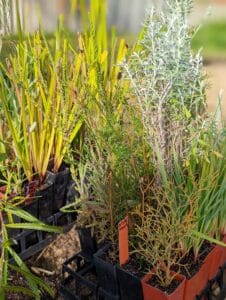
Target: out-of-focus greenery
<point x="9" y="42"/>
<point x="211" y="38"/>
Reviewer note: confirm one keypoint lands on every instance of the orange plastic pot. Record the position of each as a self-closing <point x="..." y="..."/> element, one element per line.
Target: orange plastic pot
<point x="224" y="250"/>
<point x="196" y="283"/>
<point x="217" y="258"/>
<point x="208" y="270"/>
<point x="153" y="293"/>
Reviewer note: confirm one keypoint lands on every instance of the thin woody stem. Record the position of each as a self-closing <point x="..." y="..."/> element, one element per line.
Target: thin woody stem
<point x="2" y="250"/>
<point x="111" y="209"/>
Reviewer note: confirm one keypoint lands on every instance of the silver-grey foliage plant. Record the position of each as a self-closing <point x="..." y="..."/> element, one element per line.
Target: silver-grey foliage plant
<point x="167" y="80"/>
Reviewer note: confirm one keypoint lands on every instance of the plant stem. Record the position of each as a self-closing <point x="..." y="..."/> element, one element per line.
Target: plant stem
<point x="3" y="249"/>
<point x="111" y="210"/>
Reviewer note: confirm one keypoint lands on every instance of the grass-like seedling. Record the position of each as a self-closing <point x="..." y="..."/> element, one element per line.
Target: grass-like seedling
<point x="39" y="100"/>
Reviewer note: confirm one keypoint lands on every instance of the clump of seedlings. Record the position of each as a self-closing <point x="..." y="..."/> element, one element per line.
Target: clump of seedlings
<point x="161" y="158"/>
<point x="186" y="150"/>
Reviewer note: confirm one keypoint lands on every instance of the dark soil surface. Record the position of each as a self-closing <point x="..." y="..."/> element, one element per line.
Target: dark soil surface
<point x="190" y="266"/>
<point x="155" y="282"/>
<point x="16" y="279"/>
<point x="133" y="267"/>
<point x="85" y="293"/>
<point x="110" y="256"/>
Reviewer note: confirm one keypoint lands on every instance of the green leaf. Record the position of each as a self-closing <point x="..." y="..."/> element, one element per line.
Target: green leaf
<point x="36" y="280"/>
<point x="24" y="268"/>
<point x="35" y="226"/>
<point x="2" y="292"/>
<point x="187" y="113"/>
<point x="72" y="207"/>
<point x="208" y="238"/>
<point x="22" y="214"/>
<point x="18" y="289"/>
<point x="3" y="156"/>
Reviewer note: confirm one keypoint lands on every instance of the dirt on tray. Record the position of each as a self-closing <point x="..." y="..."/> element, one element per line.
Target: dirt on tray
<point x="48" y="264"/>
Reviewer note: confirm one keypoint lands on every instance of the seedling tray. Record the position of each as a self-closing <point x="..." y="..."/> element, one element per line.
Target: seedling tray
<point x="129" y="285"/>
<point x="77" y="282"/>
<point x="28" y="242"/>
<point x="106" y="273"/>
<point x="87" y="242"/>
<point x="80" y="281"/>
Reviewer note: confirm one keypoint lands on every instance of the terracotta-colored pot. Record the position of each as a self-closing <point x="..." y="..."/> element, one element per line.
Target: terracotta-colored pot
<point x="196" y="283"/>
<point x="208" y="270"/>
<point x="224" y="249"/>
<point x="217" y="258"/>
<point x="153" y="293"/>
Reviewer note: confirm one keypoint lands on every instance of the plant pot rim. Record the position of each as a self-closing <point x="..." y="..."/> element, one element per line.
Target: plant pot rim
<point x="180" y="277"/>
<point x="103" y="248"/>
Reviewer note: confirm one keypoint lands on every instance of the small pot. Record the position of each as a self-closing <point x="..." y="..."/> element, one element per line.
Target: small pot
<point x="223" y="251"/>
<point x="216" y="258"/>
<point x="129" y="285"/>
<point x="208" y="270"/>
<point x="60" y="182"/>
<point x="106" y="272"/>
<point x="77" y="280"/>
<point x="31" y="207"/>
<point x="153" y="293"/>
<point x="88" y="243"/>
<point x="196" y="283"/>
<point x="45" y="200"/>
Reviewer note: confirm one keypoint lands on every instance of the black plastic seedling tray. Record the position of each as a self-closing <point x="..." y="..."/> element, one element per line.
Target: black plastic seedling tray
<point x="129" y="285"/>
<point x="29" y="242"/>
<point x="80" y="280"/>
<point x="111" y="282"/>
<point x="106" y="273"/>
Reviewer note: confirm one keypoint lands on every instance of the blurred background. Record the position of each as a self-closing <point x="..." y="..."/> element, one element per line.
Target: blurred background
<point x="127" y="16"/>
